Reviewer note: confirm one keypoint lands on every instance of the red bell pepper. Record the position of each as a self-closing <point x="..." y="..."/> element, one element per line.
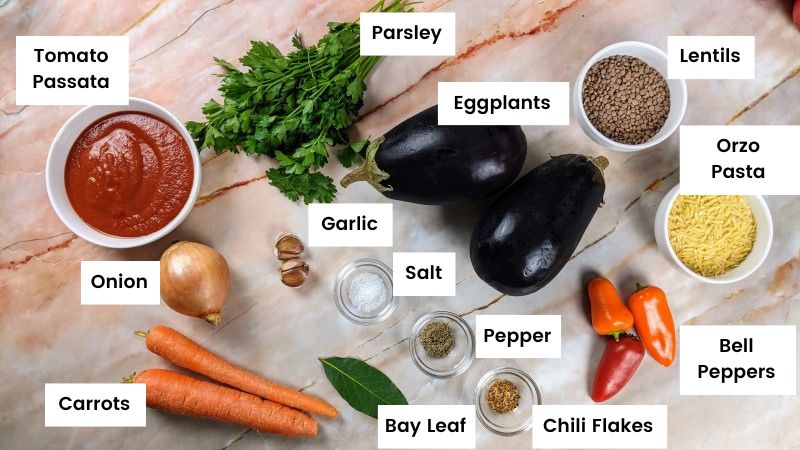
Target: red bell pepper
<point x="617" y="366"/>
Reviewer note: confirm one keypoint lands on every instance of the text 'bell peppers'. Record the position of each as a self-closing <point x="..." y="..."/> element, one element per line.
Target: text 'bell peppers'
<point x="609" y="314"/>
<point x="617" y="366"/>
<point x="654" y="323"/>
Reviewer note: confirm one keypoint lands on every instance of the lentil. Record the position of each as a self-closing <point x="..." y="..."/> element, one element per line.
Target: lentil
<point x="625" y="99"/>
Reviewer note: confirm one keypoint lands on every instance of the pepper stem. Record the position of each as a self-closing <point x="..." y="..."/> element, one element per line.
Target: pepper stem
<point x="616" y="335"/>
<point x="369" y="170"/>
<point x="640" y="286"/>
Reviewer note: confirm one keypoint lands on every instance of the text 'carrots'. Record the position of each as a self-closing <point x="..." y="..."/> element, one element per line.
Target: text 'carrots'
<point x="179" y="394"/>
<point x="182" y="351"/>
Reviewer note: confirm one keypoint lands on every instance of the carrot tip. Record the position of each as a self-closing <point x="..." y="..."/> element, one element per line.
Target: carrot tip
<point x="129" y="378"/>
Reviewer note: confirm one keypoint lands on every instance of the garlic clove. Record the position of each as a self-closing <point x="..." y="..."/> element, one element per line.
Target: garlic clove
<point x="294" y="272"/>
<point x="288" y="246"/>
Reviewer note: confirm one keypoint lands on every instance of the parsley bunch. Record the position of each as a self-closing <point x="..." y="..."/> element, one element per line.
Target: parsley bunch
<point x="293" y="107"/>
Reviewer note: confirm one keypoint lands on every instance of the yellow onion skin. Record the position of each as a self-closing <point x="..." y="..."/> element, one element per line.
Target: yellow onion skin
<point x="195" y="280"/>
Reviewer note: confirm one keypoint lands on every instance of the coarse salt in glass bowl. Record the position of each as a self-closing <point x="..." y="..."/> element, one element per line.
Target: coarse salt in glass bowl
<point x="457" y="360"/>
<point x="520" y="419"/>
<point x="342" y="288"/>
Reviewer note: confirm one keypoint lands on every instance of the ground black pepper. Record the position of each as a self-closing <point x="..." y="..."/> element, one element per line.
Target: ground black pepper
<point x="437" y="339"/>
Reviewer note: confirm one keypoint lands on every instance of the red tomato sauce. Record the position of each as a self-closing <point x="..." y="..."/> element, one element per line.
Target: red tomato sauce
<point x="129" y="174"/>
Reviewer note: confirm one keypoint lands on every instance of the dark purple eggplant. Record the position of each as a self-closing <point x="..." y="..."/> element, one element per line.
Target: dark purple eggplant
<point x="422" y="162"/>
<point x="531" y="230"/>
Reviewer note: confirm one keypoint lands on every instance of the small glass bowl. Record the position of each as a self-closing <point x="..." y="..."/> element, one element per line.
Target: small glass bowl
<point x="517" y="421"/>
<point x="342" y="288"/>
<point x="459" y="358"/>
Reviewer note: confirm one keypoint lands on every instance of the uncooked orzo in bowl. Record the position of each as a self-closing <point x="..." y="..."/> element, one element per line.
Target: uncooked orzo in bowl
<point x="711" y="234"/>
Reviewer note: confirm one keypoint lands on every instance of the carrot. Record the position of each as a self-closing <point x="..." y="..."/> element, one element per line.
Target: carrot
<point x="178" y="394"/>
<point x="182" y="351"/>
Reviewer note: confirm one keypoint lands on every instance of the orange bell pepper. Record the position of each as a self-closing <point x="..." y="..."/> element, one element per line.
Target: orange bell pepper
<point x="609" y="314"/>
<point x="654" y="323"/>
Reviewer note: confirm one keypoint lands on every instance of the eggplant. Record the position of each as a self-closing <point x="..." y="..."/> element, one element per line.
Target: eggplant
<point x="529" y="233"/>
<point x="420" y="161"/>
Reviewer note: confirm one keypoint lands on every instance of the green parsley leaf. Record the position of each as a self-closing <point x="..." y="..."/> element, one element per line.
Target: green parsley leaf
<point x="351" y="154"/>
<point x="293" y="107"/>
<point x="312" y="187"/>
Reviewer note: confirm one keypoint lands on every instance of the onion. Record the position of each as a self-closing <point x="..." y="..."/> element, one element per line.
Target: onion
<point x="194" y="280"/>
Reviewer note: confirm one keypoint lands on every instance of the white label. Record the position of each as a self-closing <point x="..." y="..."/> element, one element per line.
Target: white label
<point x="72" y="70"/>
<point x="599" y="426"/>
<point x="711" y="57"/>
<point x="738" y="360"/>
<point x="517" y="336"/>
<point x="426" y="426"/>
<point x="739" y="160"/>
<point x="424" y="274"/>
<point x="503" y="103"/>
<point x="417" y="34"/>
<point x="120" y="283"/>
<point x="350" y="225"/>
<point x="94" y="405"/>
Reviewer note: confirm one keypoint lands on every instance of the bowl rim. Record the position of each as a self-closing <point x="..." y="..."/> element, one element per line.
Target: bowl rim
<point x="494" y="373"/>
<point x="459" y="368"/>
<point x="670" y="199"/>
<point x="341" y="305"/>
<point x="98" y="237"/>
<point x="584" y="118"/>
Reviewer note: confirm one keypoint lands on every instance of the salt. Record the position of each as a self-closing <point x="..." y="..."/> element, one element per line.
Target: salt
<point x="367" y="292"/>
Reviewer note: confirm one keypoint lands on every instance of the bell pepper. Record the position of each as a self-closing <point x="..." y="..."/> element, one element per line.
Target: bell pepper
<point x="609" y="314"/>
<point x="654" y="323"/>
<point x="617" y="366"/>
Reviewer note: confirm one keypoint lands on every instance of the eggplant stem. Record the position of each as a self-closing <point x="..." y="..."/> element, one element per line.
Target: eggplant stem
<point x="601" y="162"/>
<point x="369" y="170"/>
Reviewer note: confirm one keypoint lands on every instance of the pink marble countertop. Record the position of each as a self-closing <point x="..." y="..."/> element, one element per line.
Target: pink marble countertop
<point x="47" y="336"/>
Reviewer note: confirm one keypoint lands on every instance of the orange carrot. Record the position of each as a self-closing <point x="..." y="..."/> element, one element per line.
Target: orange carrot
<point x="182" y="351"/>
<point x="178" y="394"/>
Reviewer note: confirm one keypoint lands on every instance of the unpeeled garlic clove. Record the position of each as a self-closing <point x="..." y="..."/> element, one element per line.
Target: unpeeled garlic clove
<point x="288" y="246"/>
<point x="294" y="272"/>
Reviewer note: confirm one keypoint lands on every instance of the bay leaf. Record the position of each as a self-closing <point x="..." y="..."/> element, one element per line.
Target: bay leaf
<point x="362" y="386"/>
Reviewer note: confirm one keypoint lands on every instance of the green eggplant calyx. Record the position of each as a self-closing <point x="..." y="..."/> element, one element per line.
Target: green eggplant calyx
<point x="601" y="162"/>
<point x="369" y="170"/>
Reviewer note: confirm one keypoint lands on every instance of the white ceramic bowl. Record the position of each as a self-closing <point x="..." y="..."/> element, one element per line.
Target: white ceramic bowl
<point x="748" y="266"/>
<point x="657" y="59"/>
<point x="57" y="158"/>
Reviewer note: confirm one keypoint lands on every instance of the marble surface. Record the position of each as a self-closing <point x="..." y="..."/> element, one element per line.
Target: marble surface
<point x="279" y="332"/>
